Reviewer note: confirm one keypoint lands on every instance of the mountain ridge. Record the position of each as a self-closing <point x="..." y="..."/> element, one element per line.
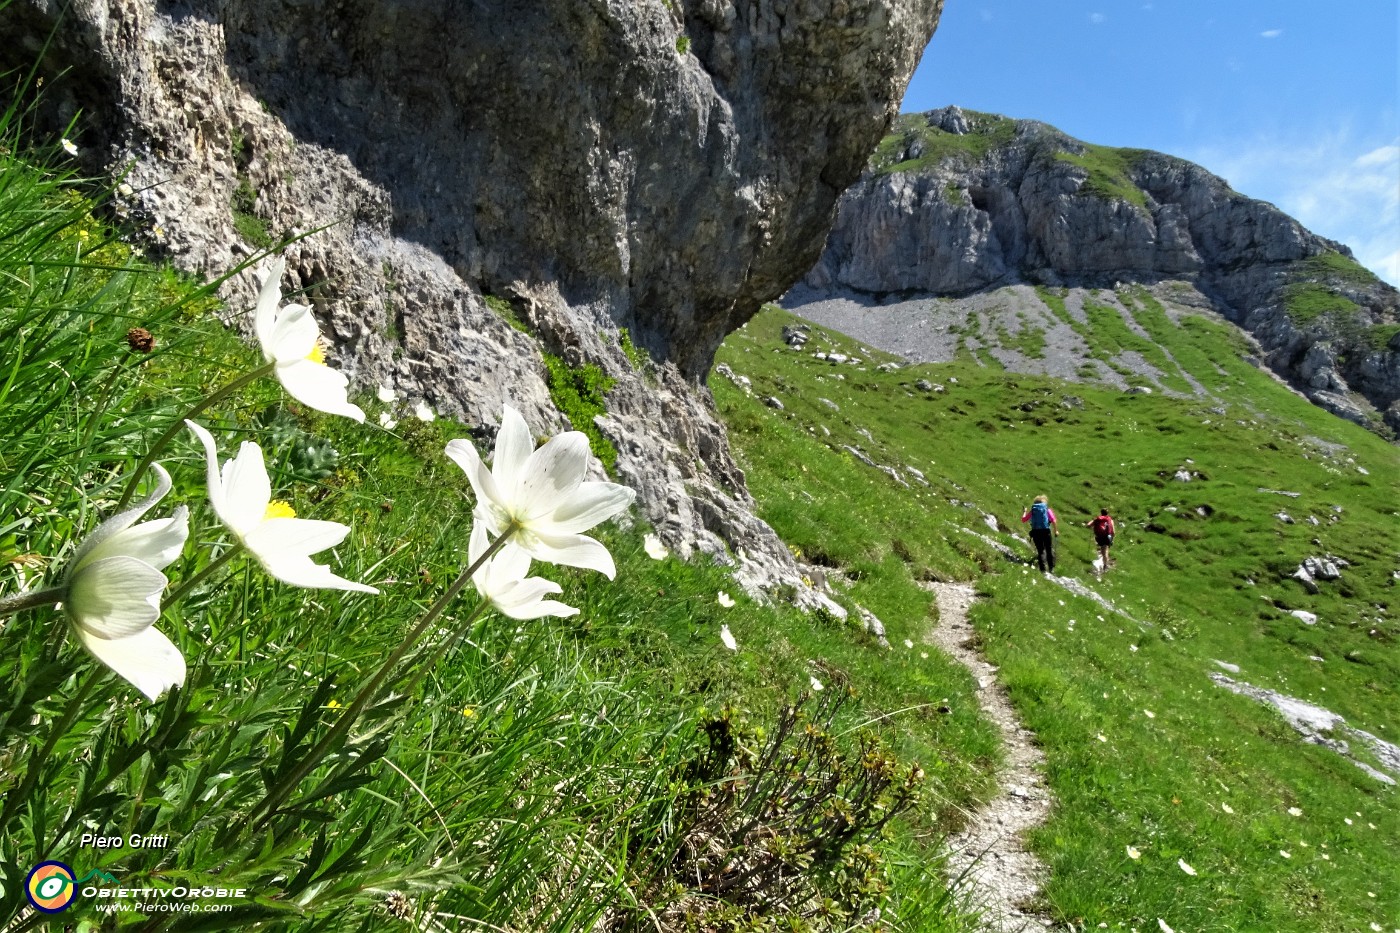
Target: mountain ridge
<point x="958" y="202"/>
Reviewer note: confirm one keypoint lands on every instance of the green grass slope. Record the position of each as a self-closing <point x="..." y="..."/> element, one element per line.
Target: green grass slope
<point x="1145" y="752"/>
<point x="621" y="769"/>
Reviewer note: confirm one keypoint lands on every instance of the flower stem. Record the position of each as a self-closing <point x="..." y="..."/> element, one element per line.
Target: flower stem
<point x="209" y="570"/>
<point x="370" y="691"/>
<point x="208" y="401"/>
<point x="462" y="629"/>
<point x="22" y="601"/>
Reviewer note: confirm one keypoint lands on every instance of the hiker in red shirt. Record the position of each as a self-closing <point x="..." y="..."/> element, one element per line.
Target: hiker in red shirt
<point x="1044" y="530"/>
<point x="1103" y="530"/>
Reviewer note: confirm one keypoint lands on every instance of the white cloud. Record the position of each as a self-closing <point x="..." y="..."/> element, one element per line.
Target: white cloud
<point x="1384" y="156"/>
<point x="1097" y="18"/>
<point x="1271" y="33"/>
<point x="1387" y="267"/>
<point x="1334" y="184"/>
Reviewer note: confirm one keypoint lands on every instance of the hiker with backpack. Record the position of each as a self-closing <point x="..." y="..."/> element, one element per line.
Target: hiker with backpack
<point x="1044" y="530"/>
<point x="1102" y="527"/>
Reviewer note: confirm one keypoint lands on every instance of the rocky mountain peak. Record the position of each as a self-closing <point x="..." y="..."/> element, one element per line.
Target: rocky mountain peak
<point x="954" y="202"/>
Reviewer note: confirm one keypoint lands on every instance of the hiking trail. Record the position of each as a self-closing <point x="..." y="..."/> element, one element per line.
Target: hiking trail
<point x="989" y="855"/>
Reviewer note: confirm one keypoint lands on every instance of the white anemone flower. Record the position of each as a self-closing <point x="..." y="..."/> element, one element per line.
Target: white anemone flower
<point x="502" y="581"/>
<point x="68" y="147"/>
<point x="540" y="497"/>
<point x="726" y="600"/>
<point x="290" y="338"/>
<point x="112" y="589"/>
<point x="281" y="542"/>
<point x="726" y="636"/>
<point x="654" y="548"/>
<point x="817" y="685"/>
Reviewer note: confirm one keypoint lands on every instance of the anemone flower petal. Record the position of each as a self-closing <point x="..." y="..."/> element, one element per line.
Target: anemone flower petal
<point x="214" y="478"/>
<point x="551" y="474"/>
<point x="247" y="489"/>
<point x="590" y="504"/>
<point x="570" y="551"/>
<point x="483" y="483"/>
<point x="510" y="563"/>
<point x="114" y="597"/>
<point x="157" y="543"/>
<point x="305" y="535"/>
<point x="269" y="280"/>
<point x="477" y="543"/>
<point x="298" y="569"/>
<point x="295" y="334"/>
<point x="507" y="565"/>
<point x="147" y="659"/>
<point x="318" y="386"/>
<point x="514" y="445"/>
<point x="524" y="604"/>
<point x="123" y="520"/>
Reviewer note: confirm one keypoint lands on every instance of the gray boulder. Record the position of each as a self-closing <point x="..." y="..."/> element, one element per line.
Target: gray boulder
<point x="660" y="167"/>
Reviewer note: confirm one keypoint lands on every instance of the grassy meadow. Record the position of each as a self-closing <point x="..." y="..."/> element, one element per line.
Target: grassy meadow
<point x="1155" y="768"/>
<point x="620" y="769"/>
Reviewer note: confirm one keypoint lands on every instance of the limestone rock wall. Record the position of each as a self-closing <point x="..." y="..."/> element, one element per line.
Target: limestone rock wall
<point x="955" y="203"/>
<point x="659" y="165"/>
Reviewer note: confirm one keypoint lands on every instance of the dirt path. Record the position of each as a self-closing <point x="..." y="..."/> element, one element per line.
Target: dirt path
<point x="989" y="855"/>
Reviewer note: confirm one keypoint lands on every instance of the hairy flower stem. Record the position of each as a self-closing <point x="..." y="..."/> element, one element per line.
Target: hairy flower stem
<point x="213" y="567"/>
<point x="207" y="402"/>
<point x="278" y="794"/>
<point x="22" y="601"/>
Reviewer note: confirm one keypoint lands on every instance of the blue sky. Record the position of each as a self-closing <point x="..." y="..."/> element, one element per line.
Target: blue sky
<point x="1293" y="103"/>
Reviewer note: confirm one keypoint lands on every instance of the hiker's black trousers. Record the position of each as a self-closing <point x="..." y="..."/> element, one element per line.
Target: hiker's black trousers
<point x="1044" y="540"/>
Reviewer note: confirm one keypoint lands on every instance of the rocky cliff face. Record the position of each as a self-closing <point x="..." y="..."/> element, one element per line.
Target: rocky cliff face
<point x="661" y="166"/>
<point x="955" y="202"/>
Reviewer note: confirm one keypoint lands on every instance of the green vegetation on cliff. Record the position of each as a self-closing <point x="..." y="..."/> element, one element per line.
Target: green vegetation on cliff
<point x="1110" y="172"/>
<point x="933" y="145"/>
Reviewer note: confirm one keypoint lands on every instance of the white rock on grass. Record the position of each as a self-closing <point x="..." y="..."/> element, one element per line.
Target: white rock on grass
<point x="1307" y="618"/>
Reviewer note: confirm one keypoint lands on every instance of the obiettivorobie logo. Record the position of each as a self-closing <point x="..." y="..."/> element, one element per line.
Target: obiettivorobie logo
<point x="51" y="886"/>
